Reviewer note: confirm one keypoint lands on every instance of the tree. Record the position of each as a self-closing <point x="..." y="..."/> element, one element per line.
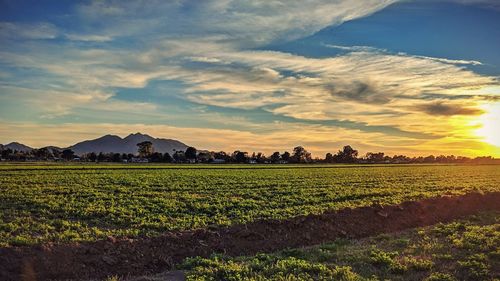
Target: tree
<point x="240" y="156"/>
<point x="190" y="153"/>
<point x="179" y="156"/>
<point x="300" y="155"/>
<point x="430" y="159"/>
<point x="167" y="158"/>
<point x="92" y="157"/>
<point x="56" y="153"/>
<point x="329" y="158"/>
<point x="346" y="155"/>
<point x="222" y="155"/>
<point x="145" y="148"/>
<point x="285" y="156"/>
<point x="42" y="153"/>
<point x="7" y="153"/>
<point x="205" y="157"/>
<point x="116" y="157"/>
<point x="68" y="154"/>
<point x="101" y="157"/>
<point x="275" y="157"/>
<point x="373" y="157"/>
<point x="156" y="157"/>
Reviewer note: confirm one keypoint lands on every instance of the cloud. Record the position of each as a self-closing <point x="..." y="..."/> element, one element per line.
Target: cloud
<point x="354" y="48"/>
<point x="42" y="30"/>
<point x="491" y="4"/>
<point x="365" y="92"/>
<point x="375" y="50"/>
<point x="209" y="47"/>
<point x="89" y="37"/>
<point x="241" y="23"/>
<point x="440" y="108"/>
<point x="450" y="61"/>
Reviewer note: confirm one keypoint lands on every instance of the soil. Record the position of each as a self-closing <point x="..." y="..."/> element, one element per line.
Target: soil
<point x="147" y="256"/>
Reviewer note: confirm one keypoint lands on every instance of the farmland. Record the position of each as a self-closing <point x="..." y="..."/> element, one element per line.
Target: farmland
<point x="466" y="249"/>
<point x="62" y="203"/>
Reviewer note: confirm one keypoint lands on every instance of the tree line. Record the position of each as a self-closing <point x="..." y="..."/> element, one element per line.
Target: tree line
<point x="299" y="155"/>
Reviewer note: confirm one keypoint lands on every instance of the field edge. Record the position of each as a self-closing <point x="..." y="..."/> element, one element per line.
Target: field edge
<point x="129" y="257"/>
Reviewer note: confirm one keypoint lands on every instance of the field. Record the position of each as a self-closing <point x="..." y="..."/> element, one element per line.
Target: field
<point x="62" y="203"/>
<point x="466" y="249"/>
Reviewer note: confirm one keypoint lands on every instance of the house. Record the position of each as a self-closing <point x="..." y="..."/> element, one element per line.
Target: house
<point x="139" y="160"/>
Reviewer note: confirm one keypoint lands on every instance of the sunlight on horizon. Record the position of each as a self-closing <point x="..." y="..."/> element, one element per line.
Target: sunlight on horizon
<point x="489" y="130"/>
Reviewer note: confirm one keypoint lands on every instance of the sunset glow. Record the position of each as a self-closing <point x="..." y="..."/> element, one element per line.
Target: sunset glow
<point x="382" y="75"/>
<point x="490" y="125"/>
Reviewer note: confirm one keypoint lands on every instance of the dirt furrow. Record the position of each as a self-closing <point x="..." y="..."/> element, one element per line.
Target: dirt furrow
<point x="129" y="257"/>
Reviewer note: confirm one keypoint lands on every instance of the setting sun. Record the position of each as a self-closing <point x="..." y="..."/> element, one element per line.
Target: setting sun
<point x="490" y="125"/>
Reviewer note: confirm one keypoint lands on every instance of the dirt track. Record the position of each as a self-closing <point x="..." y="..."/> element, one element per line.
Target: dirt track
<point x="127" y="257"/>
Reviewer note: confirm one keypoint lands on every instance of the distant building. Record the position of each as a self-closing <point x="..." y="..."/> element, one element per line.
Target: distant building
<point x="219" y="161"/>
<point x="139" y="160"/>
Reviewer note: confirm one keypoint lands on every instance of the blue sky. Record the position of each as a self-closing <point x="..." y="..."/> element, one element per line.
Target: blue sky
<point x="414" y="77"/>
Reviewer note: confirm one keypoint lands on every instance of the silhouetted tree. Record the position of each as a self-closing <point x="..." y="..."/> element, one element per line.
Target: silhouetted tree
<point x="275" y="157"/>
<point x="260" y="158"/>
<point x="101" y="157"/>
<point x="56" y="153"/>
<point x="375" y="157"/>
<point x="42" y="153"/>
<point x="190" y="153"/>
<point x="156" y="157"/>
<point x="7" y="153"/>
<point x="145" y="148"/>
<point x="346" y="155"/>
<point x="116" y="157"/>
<point x="430" y="159"/>
<point x="179" y="156"/>
<point x="92" y="157"/>
<point x="205" y="157"/>
<point x="240" y="156"/>
<point x="329" y="158"/>
<point x="285" y="156"/>
<point x="300" y="155"/>
<point x="167" y="158"/>
<point x="222" y="155"/>
<point x="125" y="157"/>
<point x="68" y="154"/>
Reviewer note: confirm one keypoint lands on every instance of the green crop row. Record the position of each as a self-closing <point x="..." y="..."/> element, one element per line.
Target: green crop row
<point x="57" y="203"/>
<point x="461" y="250"/>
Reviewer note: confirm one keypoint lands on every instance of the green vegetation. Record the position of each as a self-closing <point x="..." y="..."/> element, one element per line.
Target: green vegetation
<point x="42" y="203"/>
<point x="462" y="250"/>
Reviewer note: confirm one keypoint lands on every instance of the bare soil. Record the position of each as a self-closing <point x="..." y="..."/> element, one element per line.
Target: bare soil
<point x="146" y="256"/>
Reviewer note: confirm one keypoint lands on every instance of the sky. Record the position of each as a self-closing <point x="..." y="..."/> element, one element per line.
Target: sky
<point x="401" y="77"/>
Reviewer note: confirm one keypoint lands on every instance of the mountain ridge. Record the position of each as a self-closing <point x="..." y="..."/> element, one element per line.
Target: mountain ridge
<point x="17" y="146"/>
<point x="113" y="143"/>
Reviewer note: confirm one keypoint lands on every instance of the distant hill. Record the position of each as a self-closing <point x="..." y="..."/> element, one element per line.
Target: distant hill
<point x="112" y="143"/>
<point x="17" y="146"/>
<point x="51" y="148"/>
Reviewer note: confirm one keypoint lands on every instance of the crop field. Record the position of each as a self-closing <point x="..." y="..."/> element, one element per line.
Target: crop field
<point x="60" y="203"/>
<point x="467" y="249"/>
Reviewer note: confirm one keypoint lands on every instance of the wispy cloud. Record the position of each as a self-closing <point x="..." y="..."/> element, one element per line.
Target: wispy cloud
<point x="441" y="108"/>
<point x="89" y="37"/>
<point x="41" y="30"/>
<point x="209" y="48"/>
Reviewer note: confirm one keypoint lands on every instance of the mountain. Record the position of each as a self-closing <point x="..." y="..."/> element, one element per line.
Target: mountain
<point x="17" y="146"/>
<point x="51" y="148"/>
<point x="112" y="143"/>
